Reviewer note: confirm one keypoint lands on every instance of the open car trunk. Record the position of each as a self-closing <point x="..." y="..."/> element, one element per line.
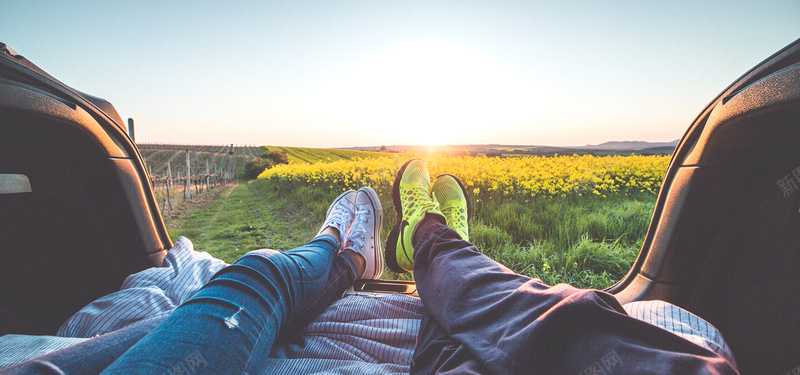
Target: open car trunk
<point x="724" y="241"/>
<point x="77" y="214"/>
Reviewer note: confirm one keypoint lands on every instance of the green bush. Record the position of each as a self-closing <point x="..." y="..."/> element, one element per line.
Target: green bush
<point x="254" y="167"/>
<point x="277" y="157"/>
<point x="269" y="159"/>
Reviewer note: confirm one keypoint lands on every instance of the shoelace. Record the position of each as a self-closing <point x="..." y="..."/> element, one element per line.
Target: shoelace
<point x="339" y="219"/>
<point x="423" y="204"/>
<point x="447" y="211"/>
<point x="358" y="233"/>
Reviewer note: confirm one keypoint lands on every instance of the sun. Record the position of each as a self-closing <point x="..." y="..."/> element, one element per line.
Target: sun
<point x="426" y="94"/>
<point x="435" y="136"/>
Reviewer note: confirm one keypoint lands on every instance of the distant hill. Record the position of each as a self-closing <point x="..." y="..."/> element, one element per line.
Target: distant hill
<point x="607" y="148"/>
<point x="631" y="145"/>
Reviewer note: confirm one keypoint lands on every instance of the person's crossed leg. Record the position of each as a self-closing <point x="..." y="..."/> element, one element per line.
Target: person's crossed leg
<point x="480" y="317"/>
<point x="231" y="324"/>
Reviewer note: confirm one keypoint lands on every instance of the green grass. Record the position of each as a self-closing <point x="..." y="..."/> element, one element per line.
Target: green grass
<point x="243" y="221"/>
<point x="586" y="241"/>
<point x="314" y="155"/>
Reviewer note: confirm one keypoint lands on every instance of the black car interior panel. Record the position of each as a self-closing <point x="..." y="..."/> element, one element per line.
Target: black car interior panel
<point x="724" y="241"/>
<point x="88" y="218"/>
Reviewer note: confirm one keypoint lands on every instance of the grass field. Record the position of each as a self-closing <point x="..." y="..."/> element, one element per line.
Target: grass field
<point x="579" y="219"/>
<point x="243" y="218"/>
<point x="315" y="155"/>
<point x="574" y="219"/>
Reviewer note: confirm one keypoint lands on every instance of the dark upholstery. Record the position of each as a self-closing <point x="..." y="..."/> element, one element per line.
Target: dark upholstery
<point x="61" y="245"/>
<point x="749" y="285"/>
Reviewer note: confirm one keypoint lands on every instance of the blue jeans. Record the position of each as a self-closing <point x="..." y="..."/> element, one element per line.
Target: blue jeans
<point x="480" y="318"/>
<point x="228" y="327"/>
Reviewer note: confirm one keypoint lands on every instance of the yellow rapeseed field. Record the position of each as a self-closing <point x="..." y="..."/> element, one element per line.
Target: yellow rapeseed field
<point x="518" y="178"/>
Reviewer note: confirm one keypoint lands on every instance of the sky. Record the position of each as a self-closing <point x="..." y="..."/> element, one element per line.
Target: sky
<point x="400" y="72"/>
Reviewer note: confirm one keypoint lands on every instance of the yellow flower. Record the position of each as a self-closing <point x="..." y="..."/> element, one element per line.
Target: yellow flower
<point x="489" y="178"/>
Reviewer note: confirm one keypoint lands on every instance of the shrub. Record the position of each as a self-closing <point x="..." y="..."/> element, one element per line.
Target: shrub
<point x="277" y="157"/>
<point x="254" y="167"/>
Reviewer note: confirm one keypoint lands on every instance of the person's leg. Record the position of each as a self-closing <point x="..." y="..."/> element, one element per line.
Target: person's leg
<point x="467" y="295"/>
<point x="230" y="325"/>
<point x="511" y="323"/>
<point x="344" y="271"/>
<point x="361" y="253"/>
<point x="438" y="353"/>
<point x="87" y="357"/>
<point x="236" y="316"/>
<point x="94" y="355"/>
<point x="515" y="324"/>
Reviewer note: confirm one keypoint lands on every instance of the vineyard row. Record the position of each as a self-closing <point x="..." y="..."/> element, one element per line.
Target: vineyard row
<point x="182" y="169"/>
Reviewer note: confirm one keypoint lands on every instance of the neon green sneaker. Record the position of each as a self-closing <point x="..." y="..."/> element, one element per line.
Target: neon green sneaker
<point x="451" y="196"/>
<point x="412" y="200"/>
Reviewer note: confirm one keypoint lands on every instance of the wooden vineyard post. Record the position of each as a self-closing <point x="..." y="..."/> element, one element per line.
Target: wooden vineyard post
<point x="188" y="190"/>
<point x="167" y="202"/>
<point x="216" y="172"/>
<point x="168" y="185"/>
<point x="184" y="185"/>
<point x="233" y="174"/>
<point x="208" y="176"/>
<point x="169" y="175"/>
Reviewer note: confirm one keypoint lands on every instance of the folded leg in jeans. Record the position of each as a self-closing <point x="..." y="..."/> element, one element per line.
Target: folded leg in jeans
<point x="231" y="324"/>
<point x="512" y="324"/>
<point x="480" y="317"/>
<point x="209" y="333"/>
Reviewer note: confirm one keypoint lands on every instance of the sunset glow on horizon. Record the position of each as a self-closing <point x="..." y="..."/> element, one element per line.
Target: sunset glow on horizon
<point x="371" y="73"/>
<point x="426" y="94"/>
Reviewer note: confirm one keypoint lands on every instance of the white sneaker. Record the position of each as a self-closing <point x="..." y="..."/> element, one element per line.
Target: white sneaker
<point x="340" y="214"/>
<point x="365" y="234"/>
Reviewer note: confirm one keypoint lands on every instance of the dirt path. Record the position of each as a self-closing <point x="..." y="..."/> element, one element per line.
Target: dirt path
<point x="237" y="219"/>
<point x="181" y="209"/>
